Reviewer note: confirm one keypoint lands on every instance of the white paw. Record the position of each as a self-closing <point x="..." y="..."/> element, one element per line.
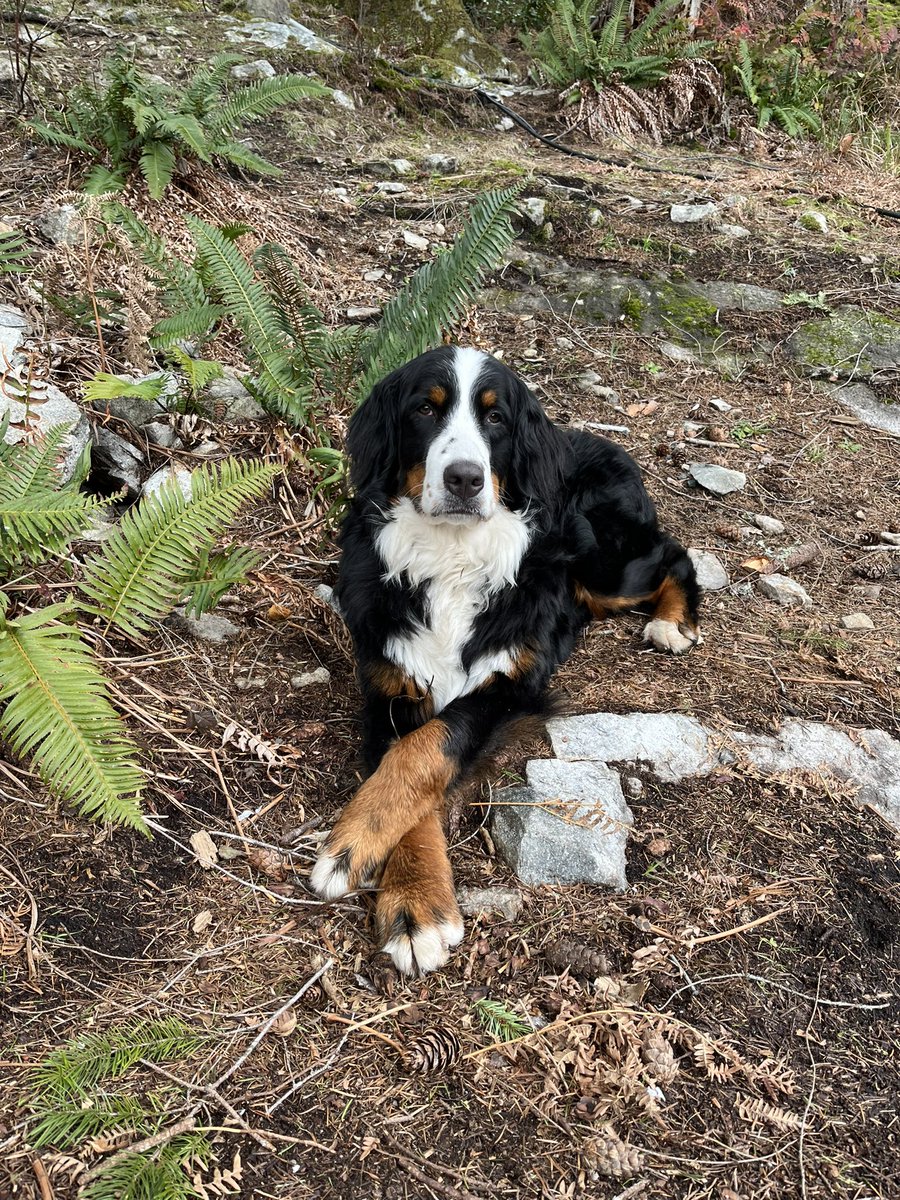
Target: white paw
<point x="426" y="949"/>
<point x="329" y="879"/>
<point x="667" y="635"/>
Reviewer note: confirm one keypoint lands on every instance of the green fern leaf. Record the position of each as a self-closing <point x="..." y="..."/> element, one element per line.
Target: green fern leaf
<point x="143" y="568"/>
<point x="57" y="714"/>
<point x="110" y="387"/>
<point x="197" y="323"/>
<point x="203" y="93"/>
<point x="240" y="156"/>
<point x="14" y="252"/>
<point x="216" y="575"/>
<point x="157" y="166"/>
<point x="101" y="181"/>
<point x="55" y="136"/>
<point x="186" y="128"/>
<point x="257" y="100"/>
<point x="440" y="291"/>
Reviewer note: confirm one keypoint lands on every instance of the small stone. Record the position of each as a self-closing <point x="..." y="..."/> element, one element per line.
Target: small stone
<point x="401" y="166"/>
<point x="269" y="10"/>
<point x="569" y="825"/>
<point x="326" y="594"/>
<point x="260" y="68"/>
<point x="415" y="240"/>
<point x="374" y="276"/>
<point x="63" y="226"/>
<point x="767" y="524"/>
<point x="123" y="462"/>
<point x="507" y="902"/>
<point x="129" y="16"/>
<point x="98" y="529"/>
<point x="595" y="217"/>
<point x="362" y="312"/>
<point x="277" y="34"/>
<point x="309" y="678"/>
<point x="786" y="592"/>
<point x="342" y="99"/>
<point x="206" y="448"/>
<point x="892" y="539"/>
<point x="632" y="203"/>
<point x="814" y="221"/>
<point x="505" y="124"/>
<point x="535" y="209"/>
<point x="734" y="200"/>
<point x="689" y="214"/>
<point x="673" y="744"/>
<point x="227" y="399"/>
<point x="721" y="481"/>
<point x="440" y="164"/>
<point x="720" y="405"/>
<point x="170" y="473"/>
<point x="390" y="187"/>
<point x="711" y="573"/>
<point x="733" y="231"/>
<point x="590" y="381"/>
<point x="633" y="787"/>
<point x="160" y="433"/>
<point x="857" y="621"/>
<point x="209" y="627"/>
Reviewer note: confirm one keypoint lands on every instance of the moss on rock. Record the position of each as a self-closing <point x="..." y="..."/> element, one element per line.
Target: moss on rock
<point x="850" y="342"/>
<point x="439" y="34"/>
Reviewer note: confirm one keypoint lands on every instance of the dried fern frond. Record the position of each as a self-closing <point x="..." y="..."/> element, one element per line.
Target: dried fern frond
<point x="758" y="1112"/>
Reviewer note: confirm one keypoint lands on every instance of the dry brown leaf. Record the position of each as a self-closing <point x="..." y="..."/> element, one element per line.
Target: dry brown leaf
<point x="759" y="565"/>
<point x="660" y="846"/>
<point x="368" y="1145"/>
<point x="202" y="921"/>
<point x="285" y="1025"/>
<point x="236" y="735"/>
<point x="279" y="612"/>
<point x="205" y="849"/>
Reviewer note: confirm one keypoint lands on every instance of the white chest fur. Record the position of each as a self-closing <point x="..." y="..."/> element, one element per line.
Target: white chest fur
<point x="461" y="566"/>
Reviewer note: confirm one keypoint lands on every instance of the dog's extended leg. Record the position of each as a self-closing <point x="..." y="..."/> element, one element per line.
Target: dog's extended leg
<point x="416" y="912"/>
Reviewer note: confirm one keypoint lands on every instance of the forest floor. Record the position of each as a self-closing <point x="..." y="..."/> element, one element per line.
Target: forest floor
<point x="785" y="1035"/>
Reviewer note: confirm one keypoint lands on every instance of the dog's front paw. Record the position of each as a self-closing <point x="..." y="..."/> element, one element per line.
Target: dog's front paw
<point x="670" y="636"/>
<point x="339" y="871"/>
<point x="419" y="948"/>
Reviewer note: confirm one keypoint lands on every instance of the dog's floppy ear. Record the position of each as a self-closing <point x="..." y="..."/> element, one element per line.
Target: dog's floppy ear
<point x="373" y="438"/>
<point x="538" y="453"/>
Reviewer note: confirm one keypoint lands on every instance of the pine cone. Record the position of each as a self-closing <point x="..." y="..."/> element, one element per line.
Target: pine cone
<point x="435" y="1050"/>
<point x="582" y="960"/>
<point x="659" y="1056"/>
<point x="610" y="1156"/>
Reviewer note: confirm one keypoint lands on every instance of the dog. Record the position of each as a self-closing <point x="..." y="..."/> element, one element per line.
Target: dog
<point x="481" y="540"/>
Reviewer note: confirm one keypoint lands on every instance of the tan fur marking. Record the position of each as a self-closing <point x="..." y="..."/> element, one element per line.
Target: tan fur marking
<point x="414" y="482"/>
<point x="417" y="881"/>
<point x="392" y="681"/>
<point x="495" y="484"/>
<point x="410" y="783"/>
<point x="669" y="602"/>
<point x="488" y="398"/>
<point x="524" y="662"/>
<point x="438" y="395"/>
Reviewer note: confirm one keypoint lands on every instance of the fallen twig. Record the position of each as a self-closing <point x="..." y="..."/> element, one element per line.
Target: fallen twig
<point x="147" y="1143"/>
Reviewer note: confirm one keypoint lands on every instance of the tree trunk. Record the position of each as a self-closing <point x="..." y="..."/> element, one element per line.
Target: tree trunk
<point x="439" y="30"/>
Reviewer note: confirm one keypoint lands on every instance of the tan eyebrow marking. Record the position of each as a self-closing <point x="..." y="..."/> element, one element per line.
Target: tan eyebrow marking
<point x="488" y="398"/>
<point x="438" y="395"/>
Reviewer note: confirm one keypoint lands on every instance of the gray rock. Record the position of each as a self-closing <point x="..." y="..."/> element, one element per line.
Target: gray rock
<point x="206" y="448"/>
<point x="276" y="35"/>
<point x="505" y="124"/>
<point x="415" y="240"/>
<point x="123" y="462"/>
<point x="734" y="200"/>
<point x="849" y="343"/>
<point x="689" y="214"/>
<point x="362" y="312"/>
<point x="98" y="529"/>
<point x="228" y="397"/>
<point x="440" y="164"/>
<point x="249" y="72"/>
<point x="590" y="381"/>
<point x="129" y="16"/>
<point x="721" y="481"/>
<point x="269" y="10"/>
<point x="720" y="405"/>
<point x="342" y="99"/>
<point x="864" y="403"/>
<point x="596" y="217"/>
<point x="209" y="627"/>
<point x="391" y="188"/>
<point x="569" y="825"/>
<point x="63" y="226"/>
<point x="867" y="757"/>
<point x="856" y="621"/>
<point x="733" y="231"/>
<point x="767" y="524"/>
<point x="711" y="573"/>
<point x="327" y="596"/>
<point x="676" y="746"/>
<point x="14" y="329"/>
<point x="160" y="433"/>
<point x="170" y="473"/>
<point x="47" y="407"/>
<point x="534" y="208"/>
<point x="816" y="222"/>
<point x="633" y="787"/>
<point x="401" y="166"/>
<point x="747" y="297"/>
<point x="504" y="901"/>
<point x="786" y="592"/>
<point x="310" y="678"/>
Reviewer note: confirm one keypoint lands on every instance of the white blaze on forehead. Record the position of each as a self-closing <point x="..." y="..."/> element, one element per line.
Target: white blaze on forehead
<point x="461" y="439"/>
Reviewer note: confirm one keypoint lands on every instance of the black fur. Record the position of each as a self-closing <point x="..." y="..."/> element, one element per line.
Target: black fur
<point x="593" y="525"/>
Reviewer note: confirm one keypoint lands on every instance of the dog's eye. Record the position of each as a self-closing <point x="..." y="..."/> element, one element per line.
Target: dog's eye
<point x="493" y="417"/>
<point x="425" y="410"/>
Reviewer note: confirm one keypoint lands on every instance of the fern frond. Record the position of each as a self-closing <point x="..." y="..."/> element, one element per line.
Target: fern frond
<point x="217" y="574"/>
<point x="204" y="91"/>
<point x="191" y="324"/>
<point x="101" y="181"/>
<point x="186" y="128"/>
<point x="302" y="321"/>
<point x="14" y="251"/>
<point x="57" y="713"/>
<point x="260" y="99"/>
<point x="240" y="155"/>
<point x="440" y="291"/>
<point x="30" y="467"/>
<point x="104" y="386"/>
<point x="54" y="136"/>
<point x="199" y="371"/>
<point x="157" y="166"/>
<point x="144" y="566"/>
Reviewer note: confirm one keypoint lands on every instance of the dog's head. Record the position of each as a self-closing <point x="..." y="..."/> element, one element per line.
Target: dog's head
<point x="460" y="434"/>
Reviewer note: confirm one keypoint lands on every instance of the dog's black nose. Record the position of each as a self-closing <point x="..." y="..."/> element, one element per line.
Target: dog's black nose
<point x="464" y="479"/>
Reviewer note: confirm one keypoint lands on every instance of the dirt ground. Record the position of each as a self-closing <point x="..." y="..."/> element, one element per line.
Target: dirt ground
<point x="730" y="1020"/>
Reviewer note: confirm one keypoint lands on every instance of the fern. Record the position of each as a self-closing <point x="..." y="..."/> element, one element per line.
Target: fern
<point x="500" y="1022"/>
<point x="160" y="1175"/>
<point x="57" y="713"/>
<point x="777" y="89"/>
<point x="111" y="387"/>
<point x="440" y="291"/>
<point x="146" y="565"/>
<point x="14" y="251"/>
<point x="37" y="516"/>
<point x="217" y="574"/>
<point x="137" y="123"/>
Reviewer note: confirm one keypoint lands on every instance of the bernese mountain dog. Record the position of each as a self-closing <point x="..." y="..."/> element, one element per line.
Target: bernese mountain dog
<point x="481" y="540"/>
